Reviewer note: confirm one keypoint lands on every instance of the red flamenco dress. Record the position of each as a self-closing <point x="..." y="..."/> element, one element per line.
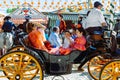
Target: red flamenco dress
<point x="79" y="44"/>
<point x="62" y="26"/>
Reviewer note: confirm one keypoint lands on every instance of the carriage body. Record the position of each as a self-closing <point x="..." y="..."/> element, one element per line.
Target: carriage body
<point x="41" y="60"/>
<point x="61" y="64"/>
<point x="25" y="59"/>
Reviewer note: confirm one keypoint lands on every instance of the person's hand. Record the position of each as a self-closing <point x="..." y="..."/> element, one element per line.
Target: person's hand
<point x="104" y="24"/>
<point x="1" y="30"/>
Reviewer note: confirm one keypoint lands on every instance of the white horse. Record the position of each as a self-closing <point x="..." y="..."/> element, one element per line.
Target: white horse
<point x="6" y="41"/>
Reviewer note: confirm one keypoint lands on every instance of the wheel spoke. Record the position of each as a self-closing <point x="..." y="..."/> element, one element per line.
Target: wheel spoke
<point x="110" y="71"/>
<point x="20" y="64"/>
<point x="14" y="62"/>
<point x="94" y="66"/>
<point x="28" y="62"/>
<point x="6" y="76"/>
<point x="6" y="68"/>
<point x="30" y="69"/>
<point x="10" y="68"/>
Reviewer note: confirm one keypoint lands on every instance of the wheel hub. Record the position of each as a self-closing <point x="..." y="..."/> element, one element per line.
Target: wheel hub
<point x="17" y="77"/>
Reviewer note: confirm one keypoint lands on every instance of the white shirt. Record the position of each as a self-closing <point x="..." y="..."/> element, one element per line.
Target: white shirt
<point x="95" y="18"/>
<point x="67" y="43"/>
<point x="54" y="39"/>
<point x="84" y="22"/>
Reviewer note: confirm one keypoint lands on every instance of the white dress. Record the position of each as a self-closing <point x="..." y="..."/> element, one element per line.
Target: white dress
<point x="66" y="43"/>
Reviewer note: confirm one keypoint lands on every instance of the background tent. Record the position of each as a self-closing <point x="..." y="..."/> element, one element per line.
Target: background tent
<point x="18" y="16"/>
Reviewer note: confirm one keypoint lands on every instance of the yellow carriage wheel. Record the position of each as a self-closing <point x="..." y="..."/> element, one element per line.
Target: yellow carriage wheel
<point x="111" y="71"/>
<point x="17" y="48"/>
<point x="95" y="65"/>
<point x="20" y="65"/>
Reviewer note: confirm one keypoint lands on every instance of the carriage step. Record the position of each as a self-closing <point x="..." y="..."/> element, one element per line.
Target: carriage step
<point x="75" y="67"/>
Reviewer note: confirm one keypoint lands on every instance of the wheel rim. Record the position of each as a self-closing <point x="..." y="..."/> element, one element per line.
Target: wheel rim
<point x="17" y="48"/>
<point x="111" y="71"/>
<point x="20" y="66"/>
<point x="95" y="65"/>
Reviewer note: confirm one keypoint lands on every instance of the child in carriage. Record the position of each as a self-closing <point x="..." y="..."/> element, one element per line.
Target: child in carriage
<point x="68" y="40"/>
<point x="78" y="43"/>
<point x="36" y="39"/>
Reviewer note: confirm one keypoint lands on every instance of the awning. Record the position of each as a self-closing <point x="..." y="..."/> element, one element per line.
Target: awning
<point x="65" y="16"/>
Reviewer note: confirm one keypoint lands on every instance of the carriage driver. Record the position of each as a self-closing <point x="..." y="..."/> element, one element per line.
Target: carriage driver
<point x="95" y="19"/>
<point x="95" y="22"/>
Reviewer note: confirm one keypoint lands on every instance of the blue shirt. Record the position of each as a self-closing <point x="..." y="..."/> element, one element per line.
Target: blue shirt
<point x="46" y="36"/>
<point x="8" y="26"/>
<point x="54" y="39"/>
<point x="74" y="36"/>
<point x="57" y="23"/>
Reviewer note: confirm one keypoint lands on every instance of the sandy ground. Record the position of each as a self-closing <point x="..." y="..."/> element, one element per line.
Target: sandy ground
<point x="75" y="75"/>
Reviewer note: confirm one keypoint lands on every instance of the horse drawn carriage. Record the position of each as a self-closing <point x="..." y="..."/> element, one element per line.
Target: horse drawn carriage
<point x="27" y="63"/>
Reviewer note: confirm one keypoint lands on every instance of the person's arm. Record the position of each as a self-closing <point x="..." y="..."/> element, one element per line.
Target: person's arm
<point x="64" y="24"/>
<point x="3" y="27"/>
<point x="57" y="41"/>
<point x="102" y="19"/>
<point x="104" y="24"/>
<point x="84" y="22"/>
<point x="14" y="27"/>
<point x="70" y="40"/>
<point x="41" y="41"/>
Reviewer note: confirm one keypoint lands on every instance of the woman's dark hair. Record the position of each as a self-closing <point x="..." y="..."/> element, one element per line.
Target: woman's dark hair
<point x="20" y="26"/>
<point x="30" y="26"/>
<point x="60" y="15"/>
<point x="118" y="20"/>
<point x="96" y="4"/>
<point x="7" y="18"/>
<point x="81" y="30"/>
<point x="55" y="29"/>
<point x="67" y="31"/>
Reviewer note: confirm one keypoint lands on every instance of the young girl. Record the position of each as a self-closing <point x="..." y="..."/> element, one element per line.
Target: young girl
<point x="65" y="49"/>
<point x="79" y="42"/>
<point x="67" y="40"/>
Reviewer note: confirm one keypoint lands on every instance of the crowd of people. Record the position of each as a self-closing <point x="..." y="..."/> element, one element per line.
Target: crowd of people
<point x="71" y="39"/>
<point x="55" y="45"/>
